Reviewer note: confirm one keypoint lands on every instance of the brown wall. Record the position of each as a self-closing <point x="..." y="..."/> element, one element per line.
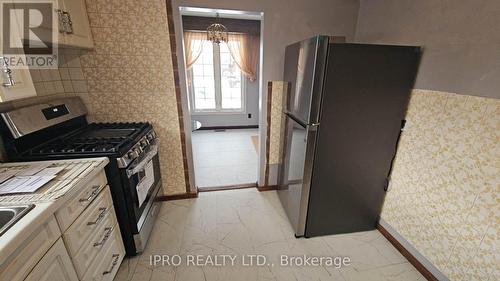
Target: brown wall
<point x="285" y="22"/>
<point x="461" y="40"/>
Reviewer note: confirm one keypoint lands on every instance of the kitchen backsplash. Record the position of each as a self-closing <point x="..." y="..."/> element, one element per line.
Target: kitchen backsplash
<point x="51" y="84"/>
<point x="127" y="77"/>
<point x="444" y="192"/>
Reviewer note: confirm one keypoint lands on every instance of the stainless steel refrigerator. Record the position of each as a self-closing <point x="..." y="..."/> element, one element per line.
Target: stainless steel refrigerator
<point x="345" y="111"/>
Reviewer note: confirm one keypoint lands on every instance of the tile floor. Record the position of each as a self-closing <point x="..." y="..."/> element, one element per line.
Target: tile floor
<point x="224" y="158"/>
<point x="246" y="221"/>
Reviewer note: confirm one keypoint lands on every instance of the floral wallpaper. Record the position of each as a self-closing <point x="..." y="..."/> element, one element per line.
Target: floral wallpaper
<point x="130" y="77"/>
<point x="444" y="196"/>
<point x="276" y="113"/>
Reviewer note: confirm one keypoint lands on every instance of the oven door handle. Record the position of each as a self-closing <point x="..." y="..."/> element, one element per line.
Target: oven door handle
<point x="153" y="151"/>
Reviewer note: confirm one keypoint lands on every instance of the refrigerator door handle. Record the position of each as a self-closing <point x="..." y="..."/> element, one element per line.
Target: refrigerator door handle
<point x="313" y="127"/>
<point x="300" y="122"/>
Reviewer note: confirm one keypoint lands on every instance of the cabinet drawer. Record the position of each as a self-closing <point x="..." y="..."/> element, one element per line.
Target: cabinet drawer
<point x="87" y="223"/>
<point x="97" y="241"/>
<point x="66" y="215"/>
<point x="31" y="251"/>
<point x="106" y="264"/>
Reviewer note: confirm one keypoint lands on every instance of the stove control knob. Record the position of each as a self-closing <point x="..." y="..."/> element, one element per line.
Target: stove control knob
<point x="133" y="154"/>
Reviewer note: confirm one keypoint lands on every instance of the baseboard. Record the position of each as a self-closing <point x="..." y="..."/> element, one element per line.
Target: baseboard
<point x="267" y="188"/>
<point x="177" y="197"/>
<point x="227" y="187"/>
<point x="229" y="127"/>
<point x="424" y="266"/>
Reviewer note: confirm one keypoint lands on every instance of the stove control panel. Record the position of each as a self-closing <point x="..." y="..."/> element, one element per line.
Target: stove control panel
<point x="141" y="147"/>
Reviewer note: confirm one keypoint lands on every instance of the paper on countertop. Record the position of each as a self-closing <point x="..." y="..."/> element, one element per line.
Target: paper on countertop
<point x="34" y="168"/>
<point x="5" y="175"/>
<point x="24" y="184"/>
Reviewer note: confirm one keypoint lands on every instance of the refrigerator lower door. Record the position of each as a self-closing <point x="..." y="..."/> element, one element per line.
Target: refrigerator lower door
<point x="295" y="179"/>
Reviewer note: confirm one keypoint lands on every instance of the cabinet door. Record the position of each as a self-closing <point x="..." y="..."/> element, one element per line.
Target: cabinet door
<point x="81" y="35"/>
<point x="14" y="83"/>
<point x="54" y="266"/>
<point x="21" y="86"/>
<point x="30" y="251"/>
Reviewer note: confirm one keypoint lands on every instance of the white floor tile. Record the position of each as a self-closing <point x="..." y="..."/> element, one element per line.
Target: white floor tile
<point x="241" y="222"/>
<point x="224" y="158"/>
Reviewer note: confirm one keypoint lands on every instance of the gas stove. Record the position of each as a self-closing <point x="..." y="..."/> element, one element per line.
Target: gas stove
<point x="97" y="137"/>
<point x="125" y="140"/>
<point x="59" y="130"/>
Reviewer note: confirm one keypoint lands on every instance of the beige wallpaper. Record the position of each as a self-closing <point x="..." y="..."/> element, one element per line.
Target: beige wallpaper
<point x="444" y="196"/>
<point x="275" y="124"/>
<point x="130" y="75"/>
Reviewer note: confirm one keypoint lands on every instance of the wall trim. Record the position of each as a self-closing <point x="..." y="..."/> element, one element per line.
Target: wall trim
<point x="177" y="197"/>
<point x="178" y="95"/>
<point x="227" y="187"/>
<point x="423" y="265"/>
<point x="267" y="188"/>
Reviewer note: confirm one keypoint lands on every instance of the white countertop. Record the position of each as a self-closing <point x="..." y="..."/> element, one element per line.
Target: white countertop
<point x="37" y="216"/>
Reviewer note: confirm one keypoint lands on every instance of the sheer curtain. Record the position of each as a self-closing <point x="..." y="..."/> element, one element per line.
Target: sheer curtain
<point x="244" y="50"/>
<point x="193" y="46"/>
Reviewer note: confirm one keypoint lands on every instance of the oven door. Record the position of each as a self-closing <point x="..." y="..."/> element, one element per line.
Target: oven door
<point x="144" y="180"/>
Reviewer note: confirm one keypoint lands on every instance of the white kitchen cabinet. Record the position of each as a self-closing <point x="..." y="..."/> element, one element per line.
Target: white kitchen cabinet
<point x="54" y="266"/>
<point x="105" y="267"/>
<point x="93" y="240"/>
<point x="88" y="222"/>
<point x="78" y="33"/>
<point x="31" y="251"/>
<point x="72" y="23"/>
<point x="76" y="205"/>
<point x="14" y="83"/>
<point x="80" y="240"/>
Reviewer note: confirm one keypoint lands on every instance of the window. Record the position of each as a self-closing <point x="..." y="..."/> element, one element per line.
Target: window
<point x="216" y="84"/>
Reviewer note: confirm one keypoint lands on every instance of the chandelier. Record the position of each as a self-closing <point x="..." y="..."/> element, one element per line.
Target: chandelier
<point x="217" y="32"/>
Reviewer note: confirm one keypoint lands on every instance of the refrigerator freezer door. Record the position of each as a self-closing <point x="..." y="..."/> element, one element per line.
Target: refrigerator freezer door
<point x="304" y="71"/>
<point x="296" y="176"/>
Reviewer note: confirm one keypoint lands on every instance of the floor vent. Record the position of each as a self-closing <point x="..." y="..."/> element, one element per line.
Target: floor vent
<point x="219" y="130"/>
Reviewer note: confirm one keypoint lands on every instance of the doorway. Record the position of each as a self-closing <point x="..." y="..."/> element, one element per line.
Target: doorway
<point x="222" y="87"/>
